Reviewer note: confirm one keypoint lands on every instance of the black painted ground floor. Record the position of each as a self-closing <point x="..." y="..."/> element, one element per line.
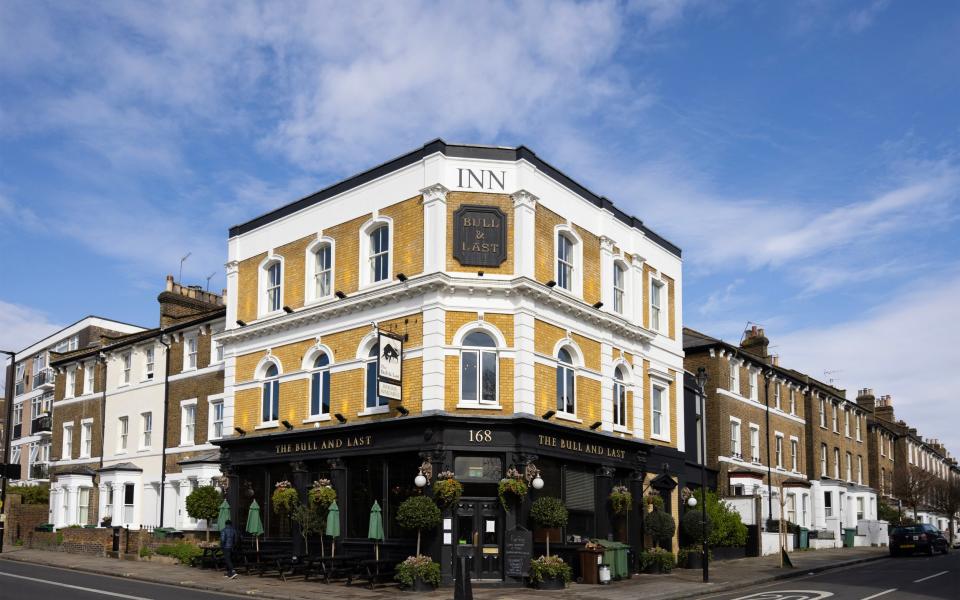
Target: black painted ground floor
<point x="379" y="462"/>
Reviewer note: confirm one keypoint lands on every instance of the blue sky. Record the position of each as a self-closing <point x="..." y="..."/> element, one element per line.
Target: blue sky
<point x="805" y="155"/>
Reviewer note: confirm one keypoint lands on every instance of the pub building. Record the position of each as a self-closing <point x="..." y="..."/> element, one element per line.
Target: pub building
<point x="465" y="309"/>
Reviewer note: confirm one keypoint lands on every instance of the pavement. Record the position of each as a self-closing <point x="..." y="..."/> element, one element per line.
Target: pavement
<point x="140" y="579"/>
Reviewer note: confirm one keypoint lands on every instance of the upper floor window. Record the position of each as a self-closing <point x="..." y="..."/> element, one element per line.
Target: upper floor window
<point x="778" y="451"/>
<point x="270" y="401"/>
<point x="88" y="375"/>
<point x="619" y="397"/>
<point x="273" y="287"/>
<point x="565" y="262"/>
<point x="858" y="417"/>
<point x="190" y="344"/>
<point x="380" y="254"/>
<point x="619" y="277"/>
<point x="793" y="401"/>
<point x="566" y="383"/>
<point x="146" y="430"/>
<point x="216" y="420"/>
<point x="794" y="455"/>
<point x="776" y="396"/>
<point x="374" y="399"/>
<point x="823" y="412"/>
<point x="735" y="438"/>
<point x="823" y="460"/>
<point x="36" y="407"/>
<point x="188" y="422"/>
<point x="734" y="377"/>
<point x="658" y="426"/>
<point x="754" y="390"/>
<point x="127" y="359"/>
<point x="836" y="425"/>
<point x="67" y="450"/>
<point x="859" y="469"/>
<point x="849" y="467"/>
<point x="18" y="413"/>
<point x="86" y="440"/>
<point x="148" y="363"/>
<point x="478" y="369"/>
<point x="70" y="382"/>
<point x="123" y="432"/>
<point x="656" y="304"/>
<point x="323" y="271"/>
<point x="846" y="422"/>
<point x="836" y="463"/>
<point x="754" y="443"/>
<point x="320" y="386"/>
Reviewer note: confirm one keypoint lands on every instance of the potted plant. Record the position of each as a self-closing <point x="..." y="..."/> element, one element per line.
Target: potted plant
<point x="659" y="525"/>
<point x="204" y="503"/>
<point x="106" y="521"/>
<point x="511" y="488"/>
<point x="550" y="573"/>
<point x="309" y="521"/>
<point x="657" y="560"/>
<point x="692" y="526"/>
<point x="418" y="573"/>
<point x="621" y="500"/>
<point x="549" y="513"/>
<point x="418" y="512"/>
<point x="446" y="489"/>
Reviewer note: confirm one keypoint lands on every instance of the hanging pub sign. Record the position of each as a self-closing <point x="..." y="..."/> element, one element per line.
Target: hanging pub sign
<point x="389" y="363"/>
<point x="479" y="236"/>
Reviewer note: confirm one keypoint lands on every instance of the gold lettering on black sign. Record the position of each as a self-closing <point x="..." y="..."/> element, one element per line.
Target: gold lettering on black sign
<point x="577" y="446"/>
<point x="353" y="441"/>
<point x="479" y="236"/>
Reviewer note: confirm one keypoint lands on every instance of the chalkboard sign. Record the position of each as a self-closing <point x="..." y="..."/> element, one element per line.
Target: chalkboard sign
<point x="518" y="547"/>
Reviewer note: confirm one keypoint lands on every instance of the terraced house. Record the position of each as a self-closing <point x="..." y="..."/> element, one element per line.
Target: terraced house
<point x="460" y="308"/>
<point x="133" y="418"/>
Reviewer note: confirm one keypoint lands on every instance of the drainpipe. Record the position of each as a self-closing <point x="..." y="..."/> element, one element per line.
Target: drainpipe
<point x="163" y="442"/>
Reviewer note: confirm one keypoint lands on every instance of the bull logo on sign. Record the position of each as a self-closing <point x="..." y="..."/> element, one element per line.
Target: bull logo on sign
<point x="390" y="353"/>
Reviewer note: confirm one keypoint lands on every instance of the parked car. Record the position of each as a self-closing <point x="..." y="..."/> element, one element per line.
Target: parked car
<point x="917" y="538"/>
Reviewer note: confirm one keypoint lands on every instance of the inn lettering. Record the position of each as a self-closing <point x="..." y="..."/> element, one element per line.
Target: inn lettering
<point x="354" y="441"/>
<point x="577" y="446"/>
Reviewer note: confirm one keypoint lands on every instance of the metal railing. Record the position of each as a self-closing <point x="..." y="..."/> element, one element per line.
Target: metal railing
<point x="40" y="471"/>
<point x="41" y="424"/>
<point x="44" y="378"/>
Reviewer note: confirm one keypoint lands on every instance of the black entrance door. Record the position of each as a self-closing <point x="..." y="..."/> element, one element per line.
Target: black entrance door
<point x="480" y="526"/>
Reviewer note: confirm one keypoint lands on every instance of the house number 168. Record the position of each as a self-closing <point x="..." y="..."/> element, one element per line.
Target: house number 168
<point x="481" y="436"/>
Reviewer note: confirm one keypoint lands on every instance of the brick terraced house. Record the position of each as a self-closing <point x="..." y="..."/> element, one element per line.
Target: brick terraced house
<point x="33" y="392"/>
<point x="115" y="400"/>
<point x="770" y="426"/>
<point x="460" y="308"/>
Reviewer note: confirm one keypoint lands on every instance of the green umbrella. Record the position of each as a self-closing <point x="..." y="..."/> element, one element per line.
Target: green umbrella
<point x="224" y="515"/>
<point x="375" y="531"/>
<point x="254" y="524"/>
<point x="333" y="526"/>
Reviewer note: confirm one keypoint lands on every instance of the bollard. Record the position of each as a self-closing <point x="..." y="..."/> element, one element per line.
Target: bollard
<point x="462" y="590"/>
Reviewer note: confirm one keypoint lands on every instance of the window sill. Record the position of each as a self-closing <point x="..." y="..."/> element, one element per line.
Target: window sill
<point x="123" y="385"/>
<point x="660" y="438"/>
<point x="145" y="449"/>
<point x="186" y="444"/>
<point x="268" y="425"/>
<point x="621" y="429"/>
<point x="568" y="417"/>
<point x="317" y="419"/>
<point x="479" y="406"/>
<point x="374" y="410"/>
<point x="188" y="369"/>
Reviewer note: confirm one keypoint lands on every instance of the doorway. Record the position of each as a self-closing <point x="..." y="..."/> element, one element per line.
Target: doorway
<point x="479" y="526"/>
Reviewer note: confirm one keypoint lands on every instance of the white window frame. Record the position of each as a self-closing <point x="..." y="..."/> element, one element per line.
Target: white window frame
<point x="216" y="352"/>
<point x="89" y="377"/>
<point x="83" y="511"/>
<point x="664" y="421"/>
<point x="859" y="469"/>
<point x="274" y="383"/>
<point x="836" y="419"/>
<point x="753" y="381"/>
<point x="18" y="413"/>
<point x="66" y="447"/>
<point x="776" y="395"/>
<point x="836" y="463"/>
<point x="185" y="439"/>
<point x="264" y="286"/>
<point x="657" y="321"/>
<point x="313" y="274"/>
<point x="620" y="398"/>
<point x="126" y="359"/>
<point x="123" y="434"/>
<point x="849" y="467"/>
<point x="572" y="368"/>
<point x="70" y="383"/>
<point x="574" y="260"/>
<point x="793" y="401"/>
<point x="778" y="449"/>
<point x="824" y="460"/>
<point x="823" y="413"/>
<point x="212" y="403"/>
<point x="149" y="362"/>
<point x="191" y="354"/>
<point x="846" y="422"/>
<point x="754" y="447"/>
<point x="620" y="271"/>
<point x="735" y="376"/>
<point x="86" y="438"/>
<point x="794" y="454"/>
<point x="146" y="434"/>
<point x="859" y="419"/>
<point x="736" y="441"/>
<point x="367" y="259"/>
<point x="480" y="351"/>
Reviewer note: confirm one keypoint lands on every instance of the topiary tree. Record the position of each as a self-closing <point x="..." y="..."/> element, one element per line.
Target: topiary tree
<point x="691" y="524"/>
<point x="204" y="503"/>
<point x="660" y="526"/>
<point x="418" y="512"/>
<point x="549" y="512"/>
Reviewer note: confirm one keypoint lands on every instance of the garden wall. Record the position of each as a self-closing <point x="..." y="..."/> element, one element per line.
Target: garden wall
<point x="21" y="519"/>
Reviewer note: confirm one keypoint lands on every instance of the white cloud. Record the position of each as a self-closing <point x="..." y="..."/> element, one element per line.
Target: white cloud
<point x="906" y="347"/>
<point x="863" y="17"/>
<point x="21" y="326"/>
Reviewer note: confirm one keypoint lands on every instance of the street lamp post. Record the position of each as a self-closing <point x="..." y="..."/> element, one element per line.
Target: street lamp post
<point x="6" y="441"/>
<point x="701" y="384"/>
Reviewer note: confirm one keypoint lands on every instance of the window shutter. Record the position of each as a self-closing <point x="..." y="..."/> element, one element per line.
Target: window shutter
<point x="579" y="490"/>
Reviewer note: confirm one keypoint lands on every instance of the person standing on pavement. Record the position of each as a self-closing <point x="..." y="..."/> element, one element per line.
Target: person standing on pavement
<point x="228" y="540"/>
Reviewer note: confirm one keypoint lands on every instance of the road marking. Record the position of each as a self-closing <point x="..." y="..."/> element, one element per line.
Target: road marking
<point x="75" y="587"/>
<point x="930" y="576"/>
<point x="788" y="595"/>
<point x="880" y="594"/>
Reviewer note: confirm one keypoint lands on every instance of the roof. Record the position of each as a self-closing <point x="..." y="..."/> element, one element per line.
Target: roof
<point x="76" y="327"/>
<point x="501" y="153"/>
<point x="210" y="456"/>
<point x="124" y="466"/>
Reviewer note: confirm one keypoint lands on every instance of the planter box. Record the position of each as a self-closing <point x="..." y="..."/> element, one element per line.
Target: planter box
<point x="728" y="553"/>
<point x="419" y="585"/>
<point x="694" y="561"/>
<point x="551" y="583"/>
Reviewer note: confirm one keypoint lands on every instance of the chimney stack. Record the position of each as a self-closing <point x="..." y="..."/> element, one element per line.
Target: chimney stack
<point x="179" y="302"/>
<point x="884" y="408"/>
<point x="866" y="399"/>
<point x="756" y="342"/>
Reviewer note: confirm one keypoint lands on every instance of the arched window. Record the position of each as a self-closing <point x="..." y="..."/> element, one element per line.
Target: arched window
<point x="380" y="254"/>
<point x="619" y="398"/>
<point x="270" y="405"/>
<point x="322" y="271"/>
<point x="619" y="276"/>
<point x="478" y="369"/>
<point x="565" y="262"/>
<point x="320" y="386"/>
<point x="374" y="399"/>
<point x="272" y="289"/>
<point x="566" y="383"/>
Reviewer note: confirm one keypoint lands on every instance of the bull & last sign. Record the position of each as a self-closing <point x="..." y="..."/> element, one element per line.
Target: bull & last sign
<point x="479" y="236"/>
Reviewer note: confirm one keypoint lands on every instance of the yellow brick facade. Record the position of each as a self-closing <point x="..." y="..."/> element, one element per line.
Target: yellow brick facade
<point x="408" y="234"/>
<point x="502" y="201"/>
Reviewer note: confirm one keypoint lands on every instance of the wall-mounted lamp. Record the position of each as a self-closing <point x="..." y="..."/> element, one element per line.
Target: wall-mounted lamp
<point x="691" y="501"/>
<point x="548" y="414"/>
<point x="596" y="426"/>
<point x="551" y="283"/>
<point x="424" y="474"/>
<point x="537" y="482"/>
<point x="340" y="294"/>
<point x="240" y="431"/>
<point x="420" y="481"/>
<point x="401" y="277"/>
<point x="340" y="418"/>
<point x="480" y="273"/>
<point x="403" y="410"/>
<point x="287" y="309"/>
<point x="598" y="305"/>
<point x="241" y="323"/>
<point x="287" y="425"/>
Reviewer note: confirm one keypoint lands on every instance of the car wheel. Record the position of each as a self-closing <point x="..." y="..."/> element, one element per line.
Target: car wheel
<point x="930" y="550"/>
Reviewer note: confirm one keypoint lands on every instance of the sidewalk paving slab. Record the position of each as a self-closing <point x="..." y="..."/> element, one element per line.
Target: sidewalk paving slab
<point x="682" y="583"/>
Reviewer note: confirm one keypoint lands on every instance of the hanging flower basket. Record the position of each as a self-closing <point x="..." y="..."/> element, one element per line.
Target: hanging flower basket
<point x="284" y="498"/>
<point x="621" y="500"/>
<point x="446" y="489"/>
<point x="511" y="488"/>
<point x="322" y="495"/>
